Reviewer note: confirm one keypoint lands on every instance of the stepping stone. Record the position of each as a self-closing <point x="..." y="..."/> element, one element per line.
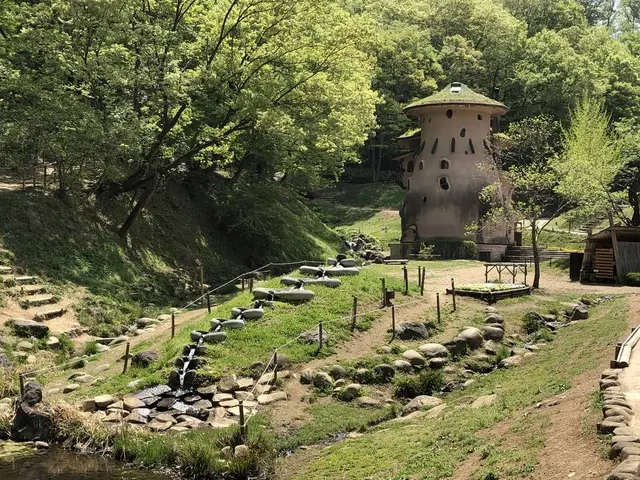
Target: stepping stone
<point x="85" y="379"/>
<point x="131" y="403"/>
<point x="50" y="313"/>
<point x="25" y="280"/>
<point x="70" y="388"/>
<point x="269" y="398"/>
<point x="37" y="300"/>
<point x="29" y="289"/>
<point x="103" y="401"/>
<point x="159" y="426"/>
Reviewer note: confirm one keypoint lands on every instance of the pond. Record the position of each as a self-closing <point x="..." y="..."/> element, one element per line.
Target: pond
<point x="58" y="464"/>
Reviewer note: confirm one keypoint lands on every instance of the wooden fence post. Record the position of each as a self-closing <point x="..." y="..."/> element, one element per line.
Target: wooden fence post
<point x="393" y="322"/>
<point x="438" y="305"/>
<point x="250" y="284"/>
<point x="243" y="427"/>
<point x="424" y="270"/>
<point x="320" y="331"/>
<point x="208" y="303"/>
<point x="243" y="283"/>
<point x="354" y="313"/>
<point x="173" y="324"/>
<point x="384" y="292"/>
<point x="453" y="293"/>
<point x="21" y="385"/>
<point x="419" y="276"/>
<point x="406" y="280"/>
<point x="126" y="358"/>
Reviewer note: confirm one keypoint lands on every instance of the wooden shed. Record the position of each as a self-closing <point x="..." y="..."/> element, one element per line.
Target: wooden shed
<point x="610" y="254"/>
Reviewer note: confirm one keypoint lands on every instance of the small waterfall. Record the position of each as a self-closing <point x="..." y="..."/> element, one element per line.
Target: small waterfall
<point x="186" y="364"/>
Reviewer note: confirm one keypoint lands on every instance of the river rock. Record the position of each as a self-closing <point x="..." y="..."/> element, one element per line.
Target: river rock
<point x="437" y="363"/>
<point x="103" y="401"/>
<point x="100" y="348"/>
<point x="53" y="342"/>
<point x="29" y="328"/>
<point x="241" y="451"/>
<point x="306" y="376"/>
<point x="510" y="361"/>
<point x="402" y="365"/>
<point x="431" y="350"/>
<point x="338" y="371"/>
<point x="367" y="402"/>
<point x="195" y="335"/>
<point x="484" y="401"/>
<point x="130" y="403"/>
<point x="207" y="392"/>
<point x="420" y="402"/>
<point x="24" y="345"/>
<point x="159" y="426"/>
<point x="72" y="387"/>
<point x="119" y="340"/>
<point x="222" y="397"/>
<point x="579" y="313"/>
<point x="4" y="361"/>
<point x="414" y="358"/>
<point x="494" y="318"/>
<point x="144" y="359"/>
<point x="322" y="380"/>
<point x="145" y="322"/>
<point x="203" y="404"/>
<point x="472" y="336"/>
<point x="228" y="384"/>
<point x="493" y="333"/>
<point x="244" y="396"/>
<point x="85" y="379"/>
<point x="351" y="391"/>
<point x="31" y="424"/>
<point x="215" y="337"/>
<point x="412" y="331"/>
<point x="135" y="417"/>
<point x="269" y="398"/>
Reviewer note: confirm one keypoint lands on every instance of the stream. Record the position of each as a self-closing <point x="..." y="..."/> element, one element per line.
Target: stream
<point x="58" y="464"/>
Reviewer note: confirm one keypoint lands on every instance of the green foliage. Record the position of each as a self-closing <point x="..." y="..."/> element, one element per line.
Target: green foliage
<point x="543" y="334"/>
<point x="426" y="382"/>
<point x="454" y="249"/>
<point x="633" y="279"/>
<point x="91" y="348"/>
<point x="530" y="323"/>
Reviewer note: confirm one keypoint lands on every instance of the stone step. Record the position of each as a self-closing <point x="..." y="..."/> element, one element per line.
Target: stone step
<point x="29" y="289"/>
<point x="37" y="300"/>
<point x="49" y="313"/>
<point x="4" y="269"/>
<point x="25" y="280"/>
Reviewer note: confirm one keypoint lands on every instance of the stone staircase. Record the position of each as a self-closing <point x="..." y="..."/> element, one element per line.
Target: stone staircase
<point x="524" y="254"/>
<point x="33" y="297"/>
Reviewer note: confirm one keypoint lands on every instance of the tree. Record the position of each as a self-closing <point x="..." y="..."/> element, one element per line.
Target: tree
<point x="146" y="91"/>
<point x="525" y="182"/>
<point x="590" y="163"/>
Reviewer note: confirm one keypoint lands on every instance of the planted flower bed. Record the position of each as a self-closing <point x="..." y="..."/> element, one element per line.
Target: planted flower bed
<point x="491" y="292"/>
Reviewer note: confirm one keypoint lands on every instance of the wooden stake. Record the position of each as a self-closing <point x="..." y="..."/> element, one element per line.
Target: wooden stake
<point x="208" y="303"/>
<point x="250" y="284"/>
<point x="243" y="284"/>
<point x="406" y="280"/>
<point x="438" y="305"/>
<point x="453" y="293"/>
<point x="126" y="358"/>
<point x="320" y="331"/>
<point x="173" y="324"/>
<point x="424" y="270"/>
<point x="384" y="293"/>
<point x="419" y="276"/>
<point x="21" y="385"/>
<point x="202" y="281"/>
<point x="354" y="313"/>
<point x="393" y="322"/>
<point x="243" y="427"/>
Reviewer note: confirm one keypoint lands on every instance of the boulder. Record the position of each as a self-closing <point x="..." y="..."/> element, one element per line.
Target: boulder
<point x="29" y="328"/>
<point x="472" y="337"/>
<point x="402" y="365"/>
<point x="510" y="361"/>
<point x="414" y="358"/>
<point x="131" y="403"/>
<point x="367" y="402"/>
<point x="215" y="337"/>
<point x="431" y="350"/>
<point x="103" y="401"/>
<point x="144" y="359"/>
<point x="493" y="333"/>
<point x="420" y="402"/>
<point x="32" y="424"/>
<point x="241" y="451"/>
<point x="306" y="376"/>
<point x="322" y="380"/>
<point x="72" y="387"/>
<point x="53" y="342"/>
<point x="579" y="313"/>
<point x="338" y="371"/>
<point x="32" y="394"/>
<point x="412" y="331"/>
<point x="437" y="363"/>
<point x="228" y="384"/>
<point x="268" y="398"/>
<point x="4" y="361"/>
<point x="494" y="318"/>
<point x="159" y="426"/>
<point x="484" y="401"/>
<point x="351" y="391"/>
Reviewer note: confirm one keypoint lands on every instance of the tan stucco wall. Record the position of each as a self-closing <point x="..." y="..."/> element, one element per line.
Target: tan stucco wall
<point x="434" y="212"/>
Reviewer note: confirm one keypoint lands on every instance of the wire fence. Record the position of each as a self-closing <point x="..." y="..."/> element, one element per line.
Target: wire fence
<point x="272" y="365"/>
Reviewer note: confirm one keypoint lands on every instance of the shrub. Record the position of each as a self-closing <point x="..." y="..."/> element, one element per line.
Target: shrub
<point x="633" y="279"/>
<point x="531" y="322"/>
<point x="426" y="383"/>
<point x="455" y="249"/>
<point x="503" y="352"/>
<point x="91" y="348"/>
<point x="543" y="334"/>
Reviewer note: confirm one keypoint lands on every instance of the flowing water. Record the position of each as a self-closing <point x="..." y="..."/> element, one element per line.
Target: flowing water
<point x="57" y="464"/>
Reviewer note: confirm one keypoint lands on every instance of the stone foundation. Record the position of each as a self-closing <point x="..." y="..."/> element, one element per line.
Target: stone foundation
<point x="495" y="251"/>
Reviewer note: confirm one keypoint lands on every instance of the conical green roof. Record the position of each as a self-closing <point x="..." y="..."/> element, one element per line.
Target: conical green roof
<point x="457" y="94"/>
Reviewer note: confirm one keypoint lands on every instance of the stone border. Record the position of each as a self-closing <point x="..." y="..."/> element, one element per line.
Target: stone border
<point x="617" y="414"/>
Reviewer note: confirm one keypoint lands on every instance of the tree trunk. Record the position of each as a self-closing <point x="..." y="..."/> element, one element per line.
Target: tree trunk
<point x="536" y="255"/>
<point x="634" y="200"/>
<point x="123" y="231"/>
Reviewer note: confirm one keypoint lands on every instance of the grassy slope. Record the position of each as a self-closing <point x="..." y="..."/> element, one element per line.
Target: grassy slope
<point x="433" y="448"/>
<point x="228" y="232"/>
<point x="367" y="209"/>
